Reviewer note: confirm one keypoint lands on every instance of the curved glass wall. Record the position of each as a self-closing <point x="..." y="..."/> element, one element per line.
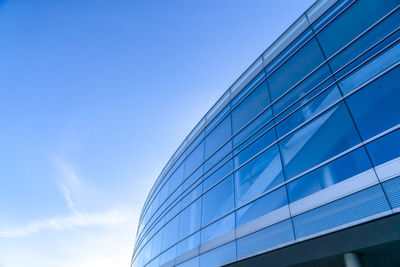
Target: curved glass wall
<point x="306" y="142"/>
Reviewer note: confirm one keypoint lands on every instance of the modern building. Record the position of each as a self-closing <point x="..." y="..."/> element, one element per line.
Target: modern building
<point x="298" y="163"/>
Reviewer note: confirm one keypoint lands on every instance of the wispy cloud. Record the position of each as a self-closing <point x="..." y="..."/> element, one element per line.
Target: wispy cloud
<point x="112" y="217"/>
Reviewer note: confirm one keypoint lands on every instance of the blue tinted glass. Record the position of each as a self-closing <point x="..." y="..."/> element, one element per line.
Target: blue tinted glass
<point x="302" y="89"/>
<point x="188" y="244"/>
<point x="255" y="125"/>
<point x="375" y="108"/>
<point x="192" y="179"/>
<point x="194" y="144"/>
<point x="218" y="136"/>
<point x="170" y="233"/>
<point x="175" y="180"/>
<point x="371" y="68"/>
<point x="341" y="169"/>
<point x="168" y="256"/>
<point x="218" y="228"/>
<point x="385" y="148"/>
<point x="218" y="175"/>
<point x="189" y="219"/>
<point x="352" y="22"/>
<point x="265" y="239"/>
<point x="194" y="160"/>
<point x="246" y="90"/>
<point x="156" y="244"/>
<point x="195" y="193"/>
<point x="250" y="107"/>
<point x="270" y="202"/>
<point x="259" y="175"/>
<point x="326" y="136"/>
<point x="309" y="110"/>
<point x="255" y="147"/>
<point x="218" y="156"/>
<point x="351" y="208"/>
<point x="218" y="118"/>
<point x="218" y="201"/>
<point x="195" y="262"/>
<point x="298" y="66"/>
<point x="219" y="256"/>
<point x="368" y="42"/>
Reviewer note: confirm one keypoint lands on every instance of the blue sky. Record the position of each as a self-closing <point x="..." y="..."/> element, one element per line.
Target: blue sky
<point x="95" y="96"/>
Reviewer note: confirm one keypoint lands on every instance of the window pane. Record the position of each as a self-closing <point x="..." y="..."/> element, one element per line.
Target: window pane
<point x="339" y="170"/>
<point x="326" y="136"/>
<point x="190" y="263"/>
<point x="194" y="160"/>
<point x="218" y="201"/>
<point x="218" y="174"/>
<point x="218" y="118"/>
<point x="375" y="108"/>
<point x="309" y="110"/>
<point x="247" y="89"/>
<point x="188" y="244"/>
<point x="250" y="107"/>
<point x="298" y="66"/>
<point x="219" y="256"/>
<point x="175" y="180"/>
<point x="352" y="22"/>
<point x="218" y="136"/>
<point x="217" y="157"/>
<point x="170" y="233"/>
<point x="371" y="68"/>
<point x="270" y="202"/>
<point x="168" y="256"/>
<point x="189" y="219"/>
<point x="218" y="228"/>
<point x="259" y="175"/>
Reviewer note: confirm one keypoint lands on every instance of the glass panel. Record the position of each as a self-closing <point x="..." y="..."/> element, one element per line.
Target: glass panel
<point x="259" y="175"/>
<point x="168" y="256"/>
<point x="216" y="158"/>
<point x="195" y="193"/>
<point x="194" y="160"/>
<point x="352" y="22"/>
<point x="326" y="136"/>
<point x="298" y="66"/>
<point x="192" y="179"/>
<point x="218" y="175"/>
<point x="218" y="201"/>
<point x="218" y="136"/>
<point x="219" y="256"/>
<point x="385" y="148"/>
<point x="317" y="105"/>
<point x="170" y="233"/>
<point x="188" y="244"/>
<point x="370" y="69"/>
<point x="156" y="244"/>
<point x="189" y="219"/>
<point x="175" y="180"/>
<point x="246" y="90"/>
<point x="267" y="238"/>
<point x="270" y="202"/>
<point x="250" y="107"/>
<point x="339" y="170"/>
<point x="254" y="148"/>
<point x="218" y="228"/>
<point x="217" y="119"/>
<point x="195" y="262"/>
<point x="375" y="108"/>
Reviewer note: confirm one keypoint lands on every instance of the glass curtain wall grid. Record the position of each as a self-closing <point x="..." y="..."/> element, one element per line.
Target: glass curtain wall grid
<point x="304" y="143"/>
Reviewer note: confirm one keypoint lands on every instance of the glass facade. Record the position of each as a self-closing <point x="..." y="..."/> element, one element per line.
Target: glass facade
<point x="306" y="142"/>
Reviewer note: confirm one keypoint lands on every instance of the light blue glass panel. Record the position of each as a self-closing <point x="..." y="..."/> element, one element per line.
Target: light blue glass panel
<point x="375" y="108"/>
<point x="188" y="244"/>
<point x="385" y="148"/>
<point x="195" y="193"/>
<point x="218" y="174"/>
<point x="367" y="41"/>
<point x="254" y="126"/>
<point x="191" y="180"/>
<point x="219" y="256"/>
<point x="175" y="180"/>
<point x="309" y="110"/>
<point x="156" y="244"/>
<point x="189" y="219"/>
<point x="338" y="170"/>
<point x="352" y="22"/>
<point x="218" y="156"/>
<point x="370" y="69"/>
<point x="195" y="142"/>
<point x="265" y="239"/>
<point x="218" y="137"/>
<point x="218" y="228"/>
<point x="270" y="202"/>
<point x="259" y="175"/>
<point x="250" y="107"/>
<point x="170" y="233"/>
<point x="362" y="204"/>
<point x="252" y="149"/>
<point x="326" y="136"/>
<point x="218" y="201"/>
<point x="248" y="88"/>
<point x="392" y="190"/>
<point x="301" y="91"/>
<point x="195" y="262"/>
<point x="167" y="258"/>
<point x="293" y="70"/>
<point x="194" y="160"/>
